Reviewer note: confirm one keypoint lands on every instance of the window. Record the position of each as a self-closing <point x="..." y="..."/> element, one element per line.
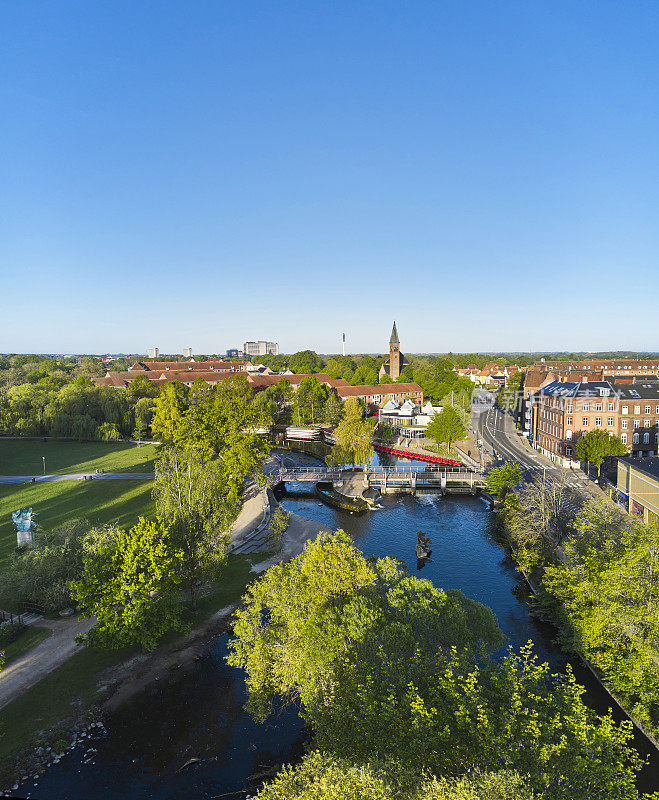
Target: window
<point x="635" y="440"/>
<point x="568" y="421"/>
<point x="584" y="422"/>
<point x="637" y="409"/>
<point x="598" y="422"/>
<point x="568" y="434"/>
<point x="625" y="409"/>
<point x="647" y="423"/>
<point x="624" y="423"/>
<point x="646" y="438"/>
<point x="609" y="421"/>
<point x="648" y="410"/>
<point x="568" y="451"/>
<point x="623" y="438"/>
<point x="569" y="408"/>
<point x="612" y="407"/>
<point x="598" y="407"/>
<point x="585" y="406"/>
<point x="657" y="409"/>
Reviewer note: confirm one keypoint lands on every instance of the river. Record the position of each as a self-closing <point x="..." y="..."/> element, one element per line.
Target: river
<point x="200" y="715"/>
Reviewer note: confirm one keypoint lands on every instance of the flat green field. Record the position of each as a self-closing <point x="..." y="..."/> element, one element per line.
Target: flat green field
<point x="100" y="501"/>
<point x="24" y="457"/>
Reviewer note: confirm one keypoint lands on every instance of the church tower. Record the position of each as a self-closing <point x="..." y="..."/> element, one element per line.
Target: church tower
<point x="394" y="354"/>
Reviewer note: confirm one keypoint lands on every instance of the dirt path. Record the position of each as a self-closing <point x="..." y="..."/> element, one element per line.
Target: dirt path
<point x="23" y="673"/>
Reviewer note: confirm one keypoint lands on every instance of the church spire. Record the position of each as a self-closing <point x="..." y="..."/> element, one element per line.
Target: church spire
<point x="394" y="335"/>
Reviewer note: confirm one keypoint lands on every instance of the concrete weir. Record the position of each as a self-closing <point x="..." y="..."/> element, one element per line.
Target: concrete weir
<point x="396" y="481"/>
<point x="389" y="480"/>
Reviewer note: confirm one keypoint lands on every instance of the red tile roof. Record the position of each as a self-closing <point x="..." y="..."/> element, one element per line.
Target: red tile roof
<point x="379" y="390"/>
<point x="192" y="366"/>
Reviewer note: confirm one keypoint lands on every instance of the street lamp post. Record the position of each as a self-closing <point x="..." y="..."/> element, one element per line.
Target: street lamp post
<point x="43" y="458"/>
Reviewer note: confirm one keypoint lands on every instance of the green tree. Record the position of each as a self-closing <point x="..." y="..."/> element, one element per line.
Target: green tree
<point x="501" y="480"/>
<point x="277" y="527"/>
<point x="353" y="436"/>
<point x="131" y="586"/>
<point x="340" y="367"/>
<point x="192" y="498"/>
<point x="91" y="367"/>
<point x="598" y="445"/>
<point x="220" y="422"/>
<point x="446" y="427"/>
<point x="143" y="412"/>
<point x="309" y="401"/>
<point x="141" y="387"/>
<point x="322" y="776"/>
<point x="388" y="667"/>
<point x="385" y="378"/>
<point x="305" y="362"/>
<point x="169" y="411"/>
<point x="41" y="574"/>
<point x="333" y="409"/>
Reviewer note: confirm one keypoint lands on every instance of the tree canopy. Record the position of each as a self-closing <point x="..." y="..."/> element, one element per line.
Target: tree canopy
<point x="502" y="479"/>
<point x="130" y="585"/>
<point x="353" y="436"/>
<point x="389" y="668"/>
<point x="322" y="776"/>
<point x="446" y="427"/>
<point x="598" y="445"/>
<point x="220" y="422"/>
<point x="305" y="362"/>
<point x="192" y="498"/>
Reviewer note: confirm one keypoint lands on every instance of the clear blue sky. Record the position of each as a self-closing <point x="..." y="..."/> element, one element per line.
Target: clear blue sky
<point x="175" y="174"/>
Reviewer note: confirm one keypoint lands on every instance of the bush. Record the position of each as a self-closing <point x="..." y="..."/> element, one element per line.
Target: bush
<point x="40" y="574"/>
<point x="9" y="632"/>
<point x="108" y="432"/>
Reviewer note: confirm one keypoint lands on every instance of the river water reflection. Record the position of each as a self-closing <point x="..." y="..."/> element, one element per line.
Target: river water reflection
<point x="200" y="716"/>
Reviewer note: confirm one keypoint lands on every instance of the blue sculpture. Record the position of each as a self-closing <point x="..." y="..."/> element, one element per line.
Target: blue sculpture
<point x="24" y="520"/>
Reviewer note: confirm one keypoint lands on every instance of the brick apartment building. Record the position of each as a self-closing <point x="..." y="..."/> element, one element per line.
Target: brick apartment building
<point x="603" y="368"/>
<point x="639" y="417"/>
<point x="619" y="371"/>
<point x="563" y="410"/>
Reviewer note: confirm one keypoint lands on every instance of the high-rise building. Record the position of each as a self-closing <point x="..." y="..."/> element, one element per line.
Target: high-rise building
<point x="153" y="352"/>
<point x="261" y="348"/>
<point x="187" y="352"/>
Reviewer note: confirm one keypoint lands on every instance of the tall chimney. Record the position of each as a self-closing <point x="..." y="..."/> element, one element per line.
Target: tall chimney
<point x="344" y="344"/>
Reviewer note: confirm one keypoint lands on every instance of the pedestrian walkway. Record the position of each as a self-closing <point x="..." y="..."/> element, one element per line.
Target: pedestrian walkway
<point x="97" y="476"/>
<point x="30" y="668"/>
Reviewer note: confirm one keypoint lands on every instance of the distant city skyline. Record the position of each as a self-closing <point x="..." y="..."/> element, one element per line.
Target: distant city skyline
<point x="486" y="174"/>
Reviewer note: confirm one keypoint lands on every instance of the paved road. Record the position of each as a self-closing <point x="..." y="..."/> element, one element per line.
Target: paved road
<point x="101" y="476"/>
<point x="498" y="433"/>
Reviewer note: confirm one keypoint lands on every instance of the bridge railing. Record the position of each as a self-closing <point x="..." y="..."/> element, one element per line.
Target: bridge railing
<point x="400" y="470"/>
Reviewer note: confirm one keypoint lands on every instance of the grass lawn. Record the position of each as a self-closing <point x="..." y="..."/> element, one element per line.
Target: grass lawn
<point x="231" y="586"/>
<point x="100" y="501"/>
<point x="30" y="637"/>
<point x="24" y="457"/>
